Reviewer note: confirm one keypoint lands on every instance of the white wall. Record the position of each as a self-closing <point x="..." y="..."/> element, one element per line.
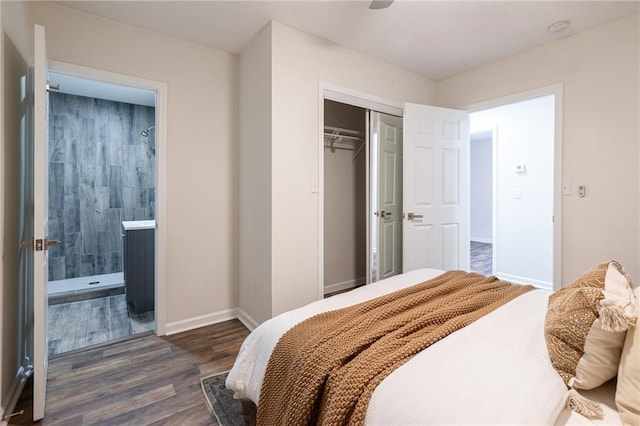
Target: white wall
<point x="14" y="52"/>
<point x="524" y="200"/>
<point x="300" y="62"/>
<point x="599" y="71"/>
<point x="481" y="188"/>
<point x="17" y="23"/>
<point x="255" y="179"/>
<point x="202" y="187"/>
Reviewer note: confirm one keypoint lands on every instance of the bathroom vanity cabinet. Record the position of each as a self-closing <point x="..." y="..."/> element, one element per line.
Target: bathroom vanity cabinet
<point x="138" y="239"/>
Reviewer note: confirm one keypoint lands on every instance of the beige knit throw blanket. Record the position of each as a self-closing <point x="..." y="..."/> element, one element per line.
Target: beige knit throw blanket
<point x="324" y="370"/>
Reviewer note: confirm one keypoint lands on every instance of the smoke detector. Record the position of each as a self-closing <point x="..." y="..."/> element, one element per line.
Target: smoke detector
<point x="558" y="27"/>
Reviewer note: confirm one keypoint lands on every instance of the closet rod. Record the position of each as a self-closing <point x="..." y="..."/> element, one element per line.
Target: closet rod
<point x="339" y="136"/>
<point x="342" y="131"/>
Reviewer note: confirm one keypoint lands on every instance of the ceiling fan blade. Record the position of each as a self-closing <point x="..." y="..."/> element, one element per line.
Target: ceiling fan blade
<point x="380" y="4"/>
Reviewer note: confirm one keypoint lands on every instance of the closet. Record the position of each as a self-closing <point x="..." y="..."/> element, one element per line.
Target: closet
<point x="362" y="196"/>
<point x="345" y="196"/>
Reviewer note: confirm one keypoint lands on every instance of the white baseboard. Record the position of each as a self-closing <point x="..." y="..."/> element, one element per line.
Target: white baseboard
<point x="201" y="321"/>
<point x="344" y="285"/>
<point x="248" y="322"/>
<point x="481" y="240"/>
<point x="524" y="280"/>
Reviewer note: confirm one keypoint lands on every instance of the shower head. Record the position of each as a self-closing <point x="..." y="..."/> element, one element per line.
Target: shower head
<point x="145" y="133"/>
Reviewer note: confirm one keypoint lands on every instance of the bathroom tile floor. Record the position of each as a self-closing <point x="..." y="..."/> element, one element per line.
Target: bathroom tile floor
<point x="84" y="323"/>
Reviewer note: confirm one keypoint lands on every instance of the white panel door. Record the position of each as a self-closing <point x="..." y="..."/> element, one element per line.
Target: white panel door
<point x="435" y="199"/>
<point x="40" y="217"/>
<point x="389" y="208"/>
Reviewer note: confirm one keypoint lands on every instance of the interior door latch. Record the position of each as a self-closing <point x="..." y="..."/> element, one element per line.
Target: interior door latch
<point x="33" y="244"/>
<point x="39" y="244"/>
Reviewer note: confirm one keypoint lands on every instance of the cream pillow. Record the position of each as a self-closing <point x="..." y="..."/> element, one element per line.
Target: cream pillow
<point x="585" y="329"/>
<point x="628" y="388"/>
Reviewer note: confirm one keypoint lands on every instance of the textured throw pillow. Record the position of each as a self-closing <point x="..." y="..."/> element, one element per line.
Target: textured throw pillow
<point x="628" y="388"/>
<point x="585" y="330"/>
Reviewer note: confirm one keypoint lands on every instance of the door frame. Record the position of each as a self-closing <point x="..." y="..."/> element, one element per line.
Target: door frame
<point x="557" y="91"/>
<point x="160" y="88"/>
<point x="355" y="98"/>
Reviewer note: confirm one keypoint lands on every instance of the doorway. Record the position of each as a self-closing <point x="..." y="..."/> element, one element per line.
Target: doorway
<point x="362" y="163"/>
<point x="35" y="199"/>
<point x="512" y="173"/>
<point x="102" y="176"/>
<point x="481" y="202"/>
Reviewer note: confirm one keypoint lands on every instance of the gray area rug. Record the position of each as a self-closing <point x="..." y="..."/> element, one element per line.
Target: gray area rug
<point x="226" y="410"/>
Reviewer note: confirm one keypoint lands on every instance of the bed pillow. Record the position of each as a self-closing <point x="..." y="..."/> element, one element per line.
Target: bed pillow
<point x="628" y="388"/>
<point x="586" y="323"/>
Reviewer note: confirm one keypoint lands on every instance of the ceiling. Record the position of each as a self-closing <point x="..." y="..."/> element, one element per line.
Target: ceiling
<point x="436" y="39"/>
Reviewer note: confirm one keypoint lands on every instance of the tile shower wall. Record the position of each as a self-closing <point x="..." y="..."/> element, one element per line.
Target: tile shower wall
<point x="101" y="172"/>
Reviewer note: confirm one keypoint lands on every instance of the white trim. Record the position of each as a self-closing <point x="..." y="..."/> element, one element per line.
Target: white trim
<point x="161" y="89"/>
<point x="202" y="321"/>
<point x="494" y="198"/>
<point x="557" y="91"/>
<point x="344" y="285"/>
<point x="360" y="99"/>
<point x="350" y="97"/>
<point x="481" y="240"/>
<point x="320" y="284"/>
<point x="367" y="203"/>
<point x="523" y="280"/>
<point x="3" y="143"/>
<point x="247" y="320"/>
<point x="161" y="245"/>
<point x="552" y="89"/>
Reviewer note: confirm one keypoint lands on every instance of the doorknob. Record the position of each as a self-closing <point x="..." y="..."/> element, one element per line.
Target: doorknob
<point x="382" y="214"/>
<point x="411" y="216"/>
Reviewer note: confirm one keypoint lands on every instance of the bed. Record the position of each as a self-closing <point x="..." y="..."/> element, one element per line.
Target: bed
<point x="494" y="371"/>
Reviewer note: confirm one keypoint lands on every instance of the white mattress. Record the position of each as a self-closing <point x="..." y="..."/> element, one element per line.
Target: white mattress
<point x="494" y="371"/>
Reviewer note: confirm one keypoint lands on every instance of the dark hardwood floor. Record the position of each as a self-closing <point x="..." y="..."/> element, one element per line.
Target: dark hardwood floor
<point x="147" y="381"/>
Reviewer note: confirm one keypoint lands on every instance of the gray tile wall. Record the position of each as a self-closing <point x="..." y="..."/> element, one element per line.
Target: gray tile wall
<point x="101" y="172"/>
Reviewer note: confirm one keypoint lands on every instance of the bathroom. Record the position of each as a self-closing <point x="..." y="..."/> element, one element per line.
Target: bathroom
<point x="102" y="172"/>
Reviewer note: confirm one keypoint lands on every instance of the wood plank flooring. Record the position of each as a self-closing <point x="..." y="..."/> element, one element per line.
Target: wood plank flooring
<point x="481" y="258"/>
<point x="147" y="381"/>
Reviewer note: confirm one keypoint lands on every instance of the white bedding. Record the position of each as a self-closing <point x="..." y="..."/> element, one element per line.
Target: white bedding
<point x="494" y="371"/>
